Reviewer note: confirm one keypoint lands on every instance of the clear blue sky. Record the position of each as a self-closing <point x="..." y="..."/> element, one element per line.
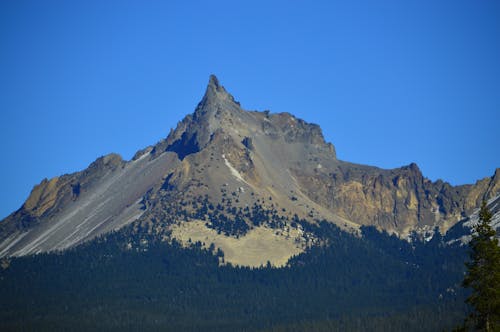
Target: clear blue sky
<point x="390" y="82"/>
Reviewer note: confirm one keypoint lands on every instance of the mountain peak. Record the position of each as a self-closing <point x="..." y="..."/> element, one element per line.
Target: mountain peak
<point x="214" y="89"/>
<point x="213" y="82"/>
<point x="194" y="132"/>
<point x="215" y="94"/>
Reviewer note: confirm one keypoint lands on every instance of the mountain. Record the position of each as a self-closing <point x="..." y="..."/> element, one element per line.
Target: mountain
<point x="239" y="221"/>
<point x="242" y="180"/>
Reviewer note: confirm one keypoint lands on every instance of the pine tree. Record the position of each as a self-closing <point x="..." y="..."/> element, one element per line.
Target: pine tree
<point x="483" y="275"/>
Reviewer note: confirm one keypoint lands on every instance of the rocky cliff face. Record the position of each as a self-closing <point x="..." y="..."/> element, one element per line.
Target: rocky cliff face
<point x="399" y="200"/>
<point x="234" y="170"/>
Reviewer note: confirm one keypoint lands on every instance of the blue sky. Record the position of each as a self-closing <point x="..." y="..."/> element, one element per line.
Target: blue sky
<point x="390" y="82"/>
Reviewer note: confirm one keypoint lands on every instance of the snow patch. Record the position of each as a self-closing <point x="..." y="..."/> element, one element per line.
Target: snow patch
<point x="142" y="157"/>
<point x="492" y="205"/>
<point x="13" y="240"/>
<point x="233" y="170"/>
<point x="495" y="219"/>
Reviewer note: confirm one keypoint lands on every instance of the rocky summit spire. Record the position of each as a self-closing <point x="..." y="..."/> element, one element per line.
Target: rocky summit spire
<point x="216" y="97"/>
<point x="214" y="88"/>
<point x="213" y="82"/>
<point x="194" y="132"/>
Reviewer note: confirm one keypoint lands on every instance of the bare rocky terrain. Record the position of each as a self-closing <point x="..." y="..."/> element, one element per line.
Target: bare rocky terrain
<point x="226" y="175"/>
